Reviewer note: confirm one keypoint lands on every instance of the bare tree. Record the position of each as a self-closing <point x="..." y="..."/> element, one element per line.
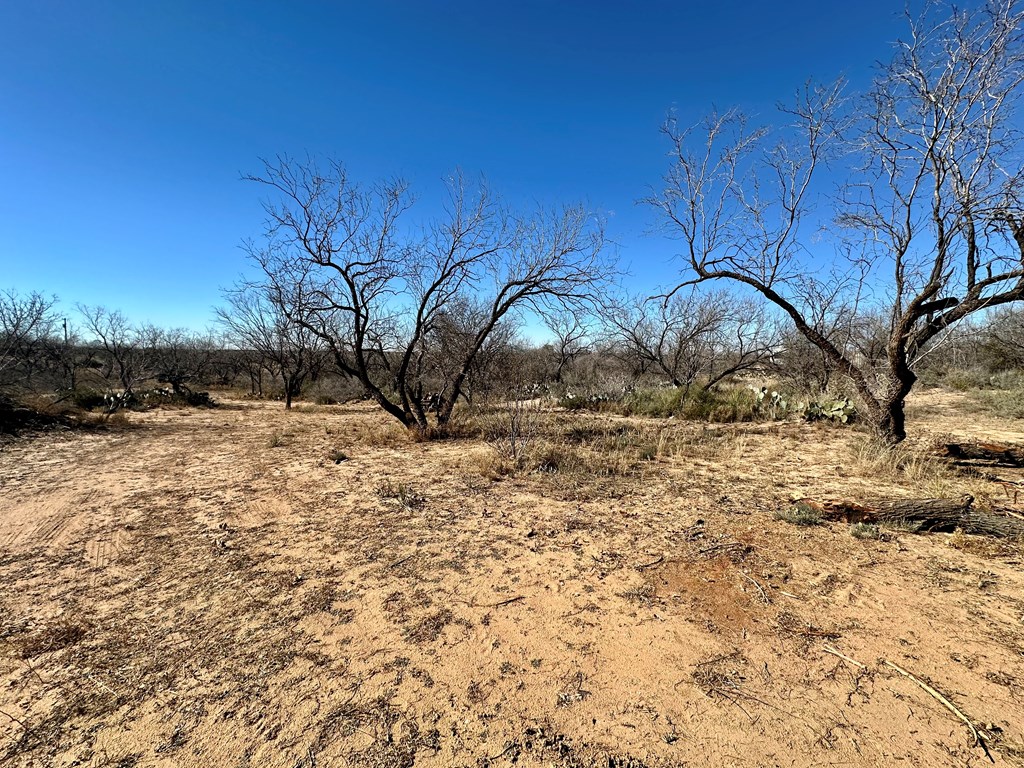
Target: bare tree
<point x="1002" y="339"/>
<point x="27" y="322"/>
<point x="933" y="216"/>
<point x="381" y="293"/>
<point x="269" y="322"/>
<point x="571" y="339"/>
<point x="66" y="355"/>
<point x="128" y="357"/>
<point x="691" y="336"/>
<point x="179" y="356"/>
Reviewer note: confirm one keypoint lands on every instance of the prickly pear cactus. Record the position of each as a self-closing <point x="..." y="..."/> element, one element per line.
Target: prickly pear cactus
<point x="842" y="410"/>
<point x="771" y="403"/>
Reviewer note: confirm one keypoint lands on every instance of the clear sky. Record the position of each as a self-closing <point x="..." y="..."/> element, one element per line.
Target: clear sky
<point x="124" y="126"/>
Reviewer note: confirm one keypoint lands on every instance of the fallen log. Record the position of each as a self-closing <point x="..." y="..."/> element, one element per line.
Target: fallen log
<point x="923" y="515"/>
<point x="997" y="454"/>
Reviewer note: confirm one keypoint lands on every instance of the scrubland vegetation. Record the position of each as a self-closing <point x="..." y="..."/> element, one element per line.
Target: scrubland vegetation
<point x="376" y="517"/>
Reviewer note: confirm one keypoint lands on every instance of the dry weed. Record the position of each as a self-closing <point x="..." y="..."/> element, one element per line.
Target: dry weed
<point x="373" y="433"/>
<point x="984" y="546"/>
<point x="799" y="514"/>
<point x="56" y="636"/>
<point x="913" y="467"/>
<point x="402" y="493"/>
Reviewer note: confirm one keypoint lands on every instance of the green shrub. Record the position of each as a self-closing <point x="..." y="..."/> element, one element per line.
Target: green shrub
<point x="966" y="380"/>
<point x="697" y="404"/>
<point x="88" y="399"/>
<point x="865" y="531"/>
<point x="658" y="403"/>
<point x="722" y="406"/>
<point x="575" y="401"/>
<point x="1004" y="403"/>
<point x="800" y="514"/>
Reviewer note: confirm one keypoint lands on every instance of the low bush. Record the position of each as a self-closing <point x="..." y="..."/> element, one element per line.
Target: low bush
<point x="659" y="403"/>
<point x="726" y="405"/>
<point x="87" y="399"/>
<point x="799" y="514"/>
<point x="1004" y="403"/>
<point x="865" y="531"/>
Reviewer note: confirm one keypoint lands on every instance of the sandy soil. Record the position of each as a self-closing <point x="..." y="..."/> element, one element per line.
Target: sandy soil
<point x="248" y="587"/>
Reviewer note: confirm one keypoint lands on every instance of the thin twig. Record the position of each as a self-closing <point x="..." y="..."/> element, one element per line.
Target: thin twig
<point x="764" y="596"/>
<point x="723" y="545"/>
<point x="398" y="562"/>
<point x="511" y="745"/>
<point x="100" y="684"/>
<point x="14" y="719"/>
<point x="500" y="603"/>
<point x="979" y="739"/>
<point x="716" y="659"/>
<point x="829" y="649"/>
<point x="651" y="564"/>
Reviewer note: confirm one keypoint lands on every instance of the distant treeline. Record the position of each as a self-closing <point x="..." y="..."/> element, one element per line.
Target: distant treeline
<point x="97" y="358"/>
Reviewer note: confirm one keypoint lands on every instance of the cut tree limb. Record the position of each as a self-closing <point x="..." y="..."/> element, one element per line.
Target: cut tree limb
<point x="999" y="454"/>
<point x="928" y="514"/>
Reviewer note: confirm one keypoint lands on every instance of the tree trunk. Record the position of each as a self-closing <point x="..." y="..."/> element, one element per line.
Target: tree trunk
<point x="888" y="413"/>
<point x="891" y="422"/>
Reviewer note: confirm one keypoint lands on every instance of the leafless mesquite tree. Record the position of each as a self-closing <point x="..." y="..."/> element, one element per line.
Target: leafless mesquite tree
<point x="384" y="293"/>
<point x="691" y="336"/>
<point x="1002" y="339"/>
<point x="178" y="356"/>
<point x="572" y="338"/>
<point x="932" y="215"/>
<point x="128" y="357"/>
<point x="27" y="323"/>
<point x="265" y="319"/>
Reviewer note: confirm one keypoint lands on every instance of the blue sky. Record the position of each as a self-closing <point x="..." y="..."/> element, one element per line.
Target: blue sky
<point x="125" y="126"/>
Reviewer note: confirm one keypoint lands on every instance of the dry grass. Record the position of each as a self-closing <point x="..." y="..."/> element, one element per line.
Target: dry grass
<point x="986" y="547"/>
<point x="402" y="493"/>
<point x="914" y="467"/>
<point x="552" y="443"/>
<point x="799" y="514"/>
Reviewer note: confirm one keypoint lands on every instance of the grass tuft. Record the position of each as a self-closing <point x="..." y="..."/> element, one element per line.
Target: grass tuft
<point x="799" y="514"/>
<point x="865" y="531"/>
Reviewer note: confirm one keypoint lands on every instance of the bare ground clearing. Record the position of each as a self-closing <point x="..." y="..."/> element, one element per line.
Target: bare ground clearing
<point x="224" y="588"/>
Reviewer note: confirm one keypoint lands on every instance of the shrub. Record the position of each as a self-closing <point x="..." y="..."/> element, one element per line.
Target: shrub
<point x="697" y="404"/>
<point x="720" y="406"/>
<point x="88" y="399"/>
<point x="576" y="401"/>
<point x="1006" y="404"/>
<point x="800" y="514"/>
<point x="659" y="403"/>
<point x="404" y="494"/>
<point x="965" y="380"/>
<point x="865" y="531"/>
